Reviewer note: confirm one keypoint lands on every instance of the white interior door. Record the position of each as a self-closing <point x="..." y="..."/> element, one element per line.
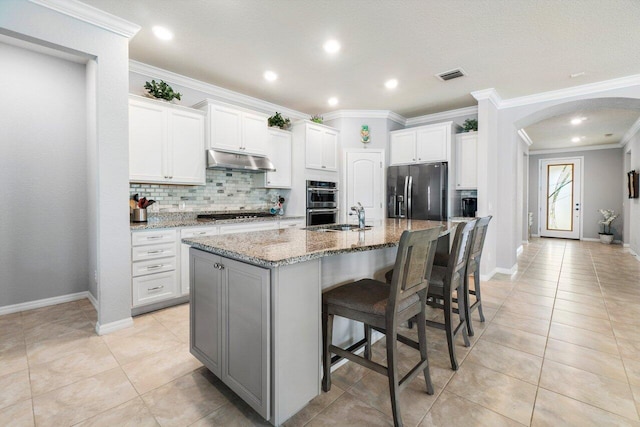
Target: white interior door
<point x="364" y="184"/>
<point x="560" y="197"/>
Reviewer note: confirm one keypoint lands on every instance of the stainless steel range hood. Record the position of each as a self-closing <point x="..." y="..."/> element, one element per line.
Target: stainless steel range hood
<point x="222" y="160"/>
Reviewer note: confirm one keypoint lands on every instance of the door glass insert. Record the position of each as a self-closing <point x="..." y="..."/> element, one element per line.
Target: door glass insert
<point x="560" y="197"/>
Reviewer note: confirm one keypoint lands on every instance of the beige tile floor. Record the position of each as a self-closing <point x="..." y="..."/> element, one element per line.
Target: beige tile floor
<point x="561" y="346"/>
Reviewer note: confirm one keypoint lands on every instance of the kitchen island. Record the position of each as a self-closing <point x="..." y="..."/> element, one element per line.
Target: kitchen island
<point x="256" y="305"/>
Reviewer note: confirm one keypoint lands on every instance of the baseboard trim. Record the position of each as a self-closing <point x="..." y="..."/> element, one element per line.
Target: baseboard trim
<point x="509" y="271"/>
<point x="30" y="305"/>
<point x="92" y="300"/>
<point x="626" y="245"/>
<point x="535" y="235"/>
<point x="589" y="239"/>
<point x="486" y="277"/>
<point x="107" y="328"/>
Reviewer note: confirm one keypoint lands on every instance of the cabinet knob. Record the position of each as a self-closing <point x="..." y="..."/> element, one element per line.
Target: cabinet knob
<point x="419" y="158"/>
<point x="218" y="266"/>
<point x="413" y="160"/>
<point x="324" y="167"/>
<point x="268" y="182"/>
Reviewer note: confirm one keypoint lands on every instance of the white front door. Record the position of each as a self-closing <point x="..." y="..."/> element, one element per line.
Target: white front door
<point x="364" y="184"/>
<point x="560" y="202"/>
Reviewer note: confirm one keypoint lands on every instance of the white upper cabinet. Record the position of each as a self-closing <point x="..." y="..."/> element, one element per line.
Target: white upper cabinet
<point x="321" y="147"/>
<point x="235" y="129"/>
<point x="403" y="148"/>
<point x="279" y="152"/>
<point x="166" y="143"/>
<point x="423" y="144"/>
<point x="467" y="161"/>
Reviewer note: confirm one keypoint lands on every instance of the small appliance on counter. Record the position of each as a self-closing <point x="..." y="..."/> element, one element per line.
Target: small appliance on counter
<point x="469" y="206"/>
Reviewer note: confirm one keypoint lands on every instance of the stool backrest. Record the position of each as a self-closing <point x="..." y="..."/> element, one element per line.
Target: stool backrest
<point x="416" y="251"/>
<point x="459" y="253"/>
<point x="477" y="243"/>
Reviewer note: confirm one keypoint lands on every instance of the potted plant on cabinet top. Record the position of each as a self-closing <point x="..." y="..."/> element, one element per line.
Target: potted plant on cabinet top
<point x="470" y="125"/>
<point x="609" y="215"/>
<point x="278" y="121"/>
<point x="317" y="118"/>
<point x="161" y="90"/>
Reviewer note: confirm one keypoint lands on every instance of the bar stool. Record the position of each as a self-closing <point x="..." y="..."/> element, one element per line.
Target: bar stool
<point x="383" y="308"/>
<point x="444" y="281"/>
<point x="473" y="267"/>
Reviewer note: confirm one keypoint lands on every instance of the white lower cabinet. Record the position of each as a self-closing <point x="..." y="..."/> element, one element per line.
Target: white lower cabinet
<point x="156" y="252"/>
<point x="186" y="233"/>
<point x="230" y="325"/>
<point x="155" y="266"/>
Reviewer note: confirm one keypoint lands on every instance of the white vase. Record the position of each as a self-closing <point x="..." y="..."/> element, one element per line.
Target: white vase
<point x="606" y="238"/>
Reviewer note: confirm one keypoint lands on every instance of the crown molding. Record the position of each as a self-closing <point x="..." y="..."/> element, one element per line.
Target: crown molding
<point x="491" y="94"/>
<point x="525" y="137"/>
<point x="91" y="15"/>
<point x="574" y="149"/>
<point x="630" y="133"/>
<point x="213" y="91"/>
<point x="444" y="115"/>
<point x="365" y="114"/>
<point x="586" y="89"/>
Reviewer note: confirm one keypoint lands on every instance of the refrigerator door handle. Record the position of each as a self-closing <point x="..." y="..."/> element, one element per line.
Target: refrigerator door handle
<point x="409" y="201"/>
<point x="429" y="199"/>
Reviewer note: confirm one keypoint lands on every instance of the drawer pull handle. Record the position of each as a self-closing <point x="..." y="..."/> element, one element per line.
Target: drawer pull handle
<point x="202" y="232"/>
<point x="218" y="266"/>
<point x="153" y="267"/>
<point x="155" y="288"/>
<point x="157" y="251"/>
<point x="154" y="237"/>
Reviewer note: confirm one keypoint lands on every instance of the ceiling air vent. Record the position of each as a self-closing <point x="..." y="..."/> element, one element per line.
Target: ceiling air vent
<point x="451" y="74"/>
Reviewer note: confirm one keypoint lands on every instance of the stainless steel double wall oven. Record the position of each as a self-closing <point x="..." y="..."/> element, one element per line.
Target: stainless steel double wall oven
<point x="322" y="202"/>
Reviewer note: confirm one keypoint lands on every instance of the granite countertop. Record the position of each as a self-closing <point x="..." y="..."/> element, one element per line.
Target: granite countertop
<point x="272" y="248"/>
<point x="192" y="221"/>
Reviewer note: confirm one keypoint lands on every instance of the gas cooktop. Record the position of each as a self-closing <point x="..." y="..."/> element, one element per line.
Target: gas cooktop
<point x="240" y="215"/>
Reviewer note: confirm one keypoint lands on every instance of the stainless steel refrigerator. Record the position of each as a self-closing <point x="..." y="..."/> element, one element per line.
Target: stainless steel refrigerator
<point x="417" y="191"/>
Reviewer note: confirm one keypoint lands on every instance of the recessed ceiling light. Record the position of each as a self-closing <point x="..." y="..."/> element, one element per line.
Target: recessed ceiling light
<point x="578" y="120"/>
<point x="270" y="76"/>
<point x="575" y="139"/>
<point x="162" y="33"/>
<point x="333" y="101"/>
<point x="331" y="46"/>
<point x="391" y="84"/>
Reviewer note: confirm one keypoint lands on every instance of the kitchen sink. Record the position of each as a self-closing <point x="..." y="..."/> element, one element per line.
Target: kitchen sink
<point x="337" y="227"/>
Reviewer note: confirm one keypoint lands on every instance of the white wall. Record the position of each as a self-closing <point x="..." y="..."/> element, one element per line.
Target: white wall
<point x="602" y="184"/>
<point x="43" y="168"/>
<point x="29" y="21"/>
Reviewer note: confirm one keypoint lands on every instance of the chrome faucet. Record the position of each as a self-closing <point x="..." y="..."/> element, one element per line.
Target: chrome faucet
<point x="359" y="210"/>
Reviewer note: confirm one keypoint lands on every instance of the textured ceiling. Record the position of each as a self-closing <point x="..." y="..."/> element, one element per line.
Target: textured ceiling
<point x="519" y="47"/>
<point x="558" y="131"/>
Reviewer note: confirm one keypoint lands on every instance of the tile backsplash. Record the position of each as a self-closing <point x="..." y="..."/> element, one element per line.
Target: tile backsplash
<point x="225" y="190"/>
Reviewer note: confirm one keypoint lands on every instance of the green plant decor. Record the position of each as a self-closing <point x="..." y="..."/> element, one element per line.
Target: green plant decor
<point x="279" y="121"/>
<point x="317" y="118"/>
<point x="470" y="125"/>
<point x="161" y="90"/>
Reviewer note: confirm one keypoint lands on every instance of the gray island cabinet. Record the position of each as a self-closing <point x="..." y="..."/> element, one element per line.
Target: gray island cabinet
<point x="256" y="306"/>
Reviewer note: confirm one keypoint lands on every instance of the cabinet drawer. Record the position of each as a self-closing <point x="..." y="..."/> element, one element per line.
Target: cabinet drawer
<point x="151" y="266"/>
<point x="291" y="224"/>
<point x="152" y="288"/>
<point x="141" y="238"/>
<point x="198" y="232"/>
<point x="143" y="253"/>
